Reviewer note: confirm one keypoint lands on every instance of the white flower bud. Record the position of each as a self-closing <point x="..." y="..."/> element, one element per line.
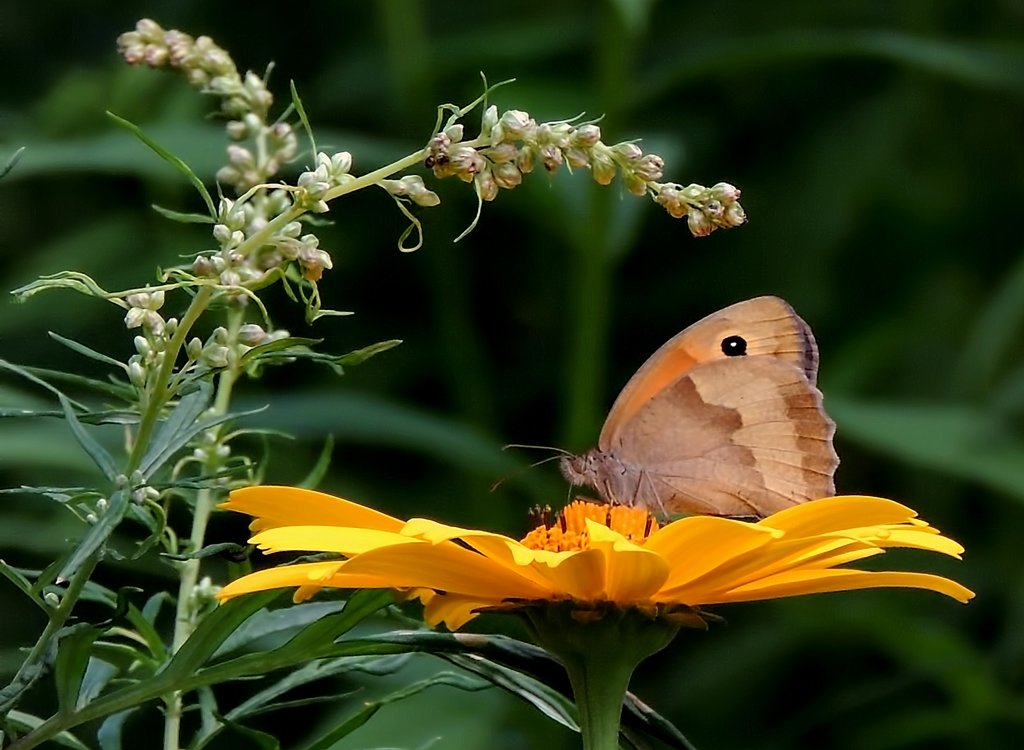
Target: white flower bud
<point x="137" y="374"/>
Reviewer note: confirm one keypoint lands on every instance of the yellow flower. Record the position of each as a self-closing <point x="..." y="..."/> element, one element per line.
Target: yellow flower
<point x="593" y="556"/>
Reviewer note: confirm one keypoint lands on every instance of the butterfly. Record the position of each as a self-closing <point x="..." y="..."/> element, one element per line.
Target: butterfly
<point x="724" y="419"/>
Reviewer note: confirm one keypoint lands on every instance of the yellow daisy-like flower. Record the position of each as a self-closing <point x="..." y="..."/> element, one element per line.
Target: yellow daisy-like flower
<point x="592" y="556"/>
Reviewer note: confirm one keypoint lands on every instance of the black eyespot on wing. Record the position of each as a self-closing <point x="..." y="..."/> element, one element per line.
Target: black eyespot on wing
<point x="734" y="346"/>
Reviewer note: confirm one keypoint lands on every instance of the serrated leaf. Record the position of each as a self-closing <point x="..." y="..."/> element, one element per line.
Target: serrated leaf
<point x="73" y="654"/>
<point x="168" y="157"/>
<point x="99" y="455"/>
<point x="85" y="351"/>
<point x="97" y="534"/>
<point x="184" y="218"/>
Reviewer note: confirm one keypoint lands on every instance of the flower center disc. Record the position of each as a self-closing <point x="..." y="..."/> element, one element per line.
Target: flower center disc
<point x="569" y="531"/>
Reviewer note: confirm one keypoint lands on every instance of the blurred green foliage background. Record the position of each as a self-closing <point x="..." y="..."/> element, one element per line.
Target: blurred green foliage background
<point x="878" y="147"/>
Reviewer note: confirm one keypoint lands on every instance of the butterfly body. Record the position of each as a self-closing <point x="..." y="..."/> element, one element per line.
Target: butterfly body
<point x="724" y="419"/>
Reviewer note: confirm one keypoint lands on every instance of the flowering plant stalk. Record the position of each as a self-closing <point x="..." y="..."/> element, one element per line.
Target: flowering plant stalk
<point x="197" y="330"/>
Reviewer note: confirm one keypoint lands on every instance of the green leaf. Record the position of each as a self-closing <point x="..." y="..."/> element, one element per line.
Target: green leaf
<point x="25" y="721"/>
<point x="86" y="351"/>
<point x="105" y="416"/>
<point x="22" y="584"/>
<point x="276" y="624"/>
<point x="98" y="533"/>
<point x="359" y="356"/>
<point x="170" y="158"/>
<point x="73" y="653"/>
<point x="316" y="474"/>
<point x="119" y="390"/>
<point x="99" y="455"/>
<point x="15" y="158"/>
<point x="301" y="111"/>
<point x="144" y="627"/>
<point x="956" y="440"/>
<point x="29" y="374"/>
<point x="364" y="714"/>
<point x="222" y="549"/>
<point x="549" y="701"/>
<point x="183" y="218"/>
<point x="110" y="731"/>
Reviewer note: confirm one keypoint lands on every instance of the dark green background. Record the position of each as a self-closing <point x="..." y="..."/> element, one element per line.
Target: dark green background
<point x="878" y="147"/>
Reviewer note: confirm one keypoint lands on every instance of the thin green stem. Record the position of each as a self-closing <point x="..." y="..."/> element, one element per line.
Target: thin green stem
<point x="32" y="667"/>
<point x="160" y="393"/>
<point x="186" y="613"/>
<point x="372" y="178"/>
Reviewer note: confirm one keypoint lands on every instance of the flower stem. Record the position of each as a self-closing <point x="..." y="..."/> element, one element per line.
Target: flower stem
<point x="187" y="613"/>
<point x="159" y="394"/>
<point x="599" y="648"/>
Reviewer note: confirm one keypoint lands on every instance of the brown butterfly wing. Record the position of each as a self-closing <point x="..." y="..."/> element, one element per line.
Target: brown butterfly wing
<point x="767" y="324"/>
<point x="743" y="435"/>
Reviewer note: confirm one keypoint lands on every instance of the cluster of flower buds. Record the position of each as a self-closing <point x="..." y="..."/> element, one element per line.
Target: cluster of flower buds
<point x="204" y="64"/>
<point x="512" y="143"/>
<point x="244" y="99"/>
<point x="219" y="351"/>
<point x="705" y="209"/>
<point x="143" y="313"/>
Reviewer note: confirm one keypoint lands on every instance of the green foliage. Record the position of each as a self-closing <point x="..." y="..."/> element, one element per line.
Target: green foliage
<point x="877" y="147"/>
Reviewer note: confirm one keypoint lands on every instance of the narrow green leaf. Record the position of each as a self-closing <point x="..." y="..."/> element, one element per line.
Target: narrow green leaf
<point x="98" y="675"/>
<point x="323" y="463"/>
<point x="85" y="351"/>
<point x="144" y="627"/>
<point x="29" y="374"/>
<point x="221" y="549"/>
<point x="110" y="731"/>
<point x="547" y="700"/>
<point x="953" y="439"/>
<point x="73" y="654"/>
<point x="119" y="390"/>
<point x="22" y="584"/>
<point x="106" y="416"/>
<point x="301" y="111"/>
<point x="359" y="356"/>
<point x="278" y="624"/>
<point x="170" y="158"/>
<point x="99" y="455"/>
<point x="346" y="727"/>
<point x="15" y="158"/>
<point x="26" y="722"/>
<point x="259" y="739"/>
<point x="184" y="218"/>
<point x="97" y="534"/>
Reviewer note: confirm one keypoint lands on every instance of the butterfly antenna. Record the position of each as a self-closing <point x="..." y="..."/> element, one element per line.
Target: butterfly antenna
<point x="522" y="469"/>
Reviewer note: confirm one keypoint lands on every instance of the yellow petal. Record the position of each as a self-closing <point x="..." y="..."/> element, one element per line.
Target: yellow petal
<point x="696" y="545"/>
<point x="797" y="582"/>
<point x="632" y="573"/>
<point x="448" y="567"/>
<point x="453" y="611"/>
<point x="344" y="540"/>
<point x="275" y="506"/>
<point x="276" y="578"/>
<point x="780" y="555"/>
<point x="837" y="513"/>
<point x="499" y="548"/>
<point x="579" y="575"/>
<point x="913" y="537"/>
